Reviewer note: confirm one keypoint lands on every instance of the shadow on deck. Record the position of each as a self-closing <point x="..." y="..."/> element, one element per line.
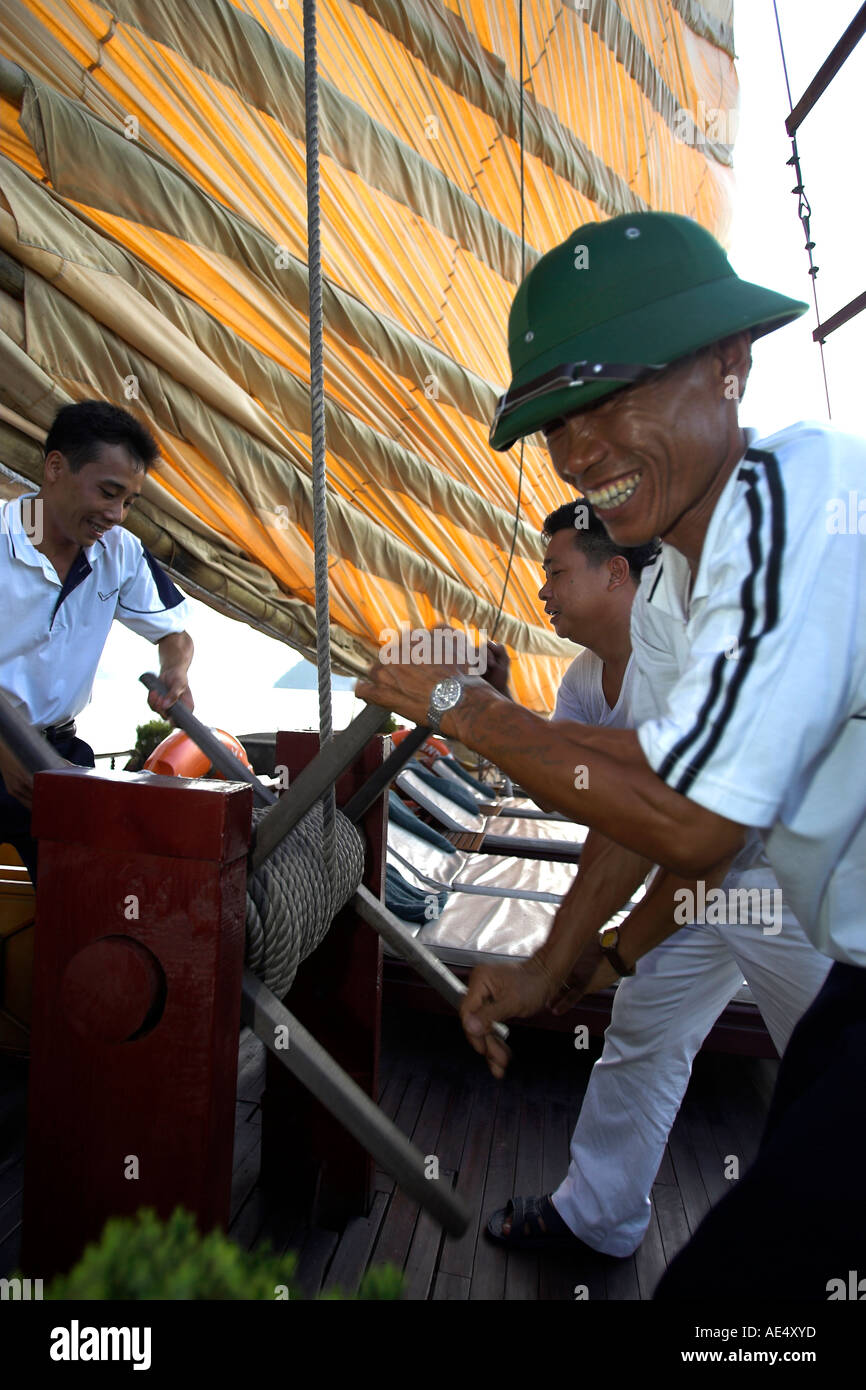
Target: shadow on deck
<point x="492" y="1139"/>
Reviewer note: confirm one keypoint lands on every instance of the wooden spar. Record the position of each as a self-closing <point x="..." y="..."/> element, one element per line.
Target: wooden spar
<point x="400" y="939"/>
<point x="375" y="785"/>
<point x="222" y="759"/>
<point x="374" y="913"/>
<point x="304" y="1058"/>
<point x="33" y="751"/>
<point x="311" y="784"/>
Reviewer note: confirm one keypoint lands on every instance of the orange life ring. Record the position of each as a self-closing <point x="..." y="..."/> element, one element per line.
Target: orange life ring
<point x="178" y="756"/>
<point x="430" y="750"/>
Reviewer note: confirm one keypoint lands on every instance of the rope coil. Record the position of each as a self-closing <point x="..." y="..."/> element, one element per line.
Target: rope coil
<point x="294" y="894"/>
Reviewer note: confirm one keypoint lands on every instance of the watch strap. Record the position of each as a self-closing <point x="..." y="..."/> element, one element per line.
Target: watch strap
<point x="612" y="952"/>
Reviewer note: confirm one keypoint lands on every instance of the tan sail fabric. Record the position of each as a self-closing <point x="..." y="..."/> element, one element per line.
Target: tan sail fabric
<point x="153" y="207"/>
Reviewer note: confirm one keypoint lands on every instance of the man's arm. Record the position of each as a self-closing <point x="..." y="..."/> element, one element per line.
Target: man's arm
<point x="599" y="777"/>
<point x="570" y="963"/>
<point x="175" y="655"/>
<point x="606" y="880"/>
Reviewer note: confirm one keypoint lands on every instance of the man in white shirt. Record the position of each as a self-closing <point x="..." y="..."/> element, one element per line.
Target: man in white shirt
<point x="663" y="1012"/>
<point x="631" y="359"/>
<point x="67" y="570"/>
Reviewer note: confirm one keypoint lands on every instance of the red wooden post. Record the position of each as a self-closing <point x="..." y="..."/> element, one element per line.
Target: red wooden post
<point x="136" y="1004"/>
<point x="337" y="995"/>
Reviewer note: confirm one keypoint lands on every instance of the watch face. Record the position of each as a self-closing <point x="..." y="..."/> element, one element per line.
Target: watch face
<point x="609" y="937"/>
<point x="445" y="694"/>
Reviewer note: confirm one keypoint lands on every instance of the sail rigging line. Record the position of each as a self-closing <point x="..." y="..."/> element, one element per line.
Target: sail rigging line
<point x="317" y="429"/>
<point x="804" y="211"/>
<point x="506" y="581"/>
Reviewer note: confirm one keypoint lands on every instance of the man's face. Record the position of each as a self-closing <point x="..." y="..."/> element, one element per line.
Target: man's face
<point x="82" y="506"/>
<point x="646" y="458"/>
<point x="575" y="593"/>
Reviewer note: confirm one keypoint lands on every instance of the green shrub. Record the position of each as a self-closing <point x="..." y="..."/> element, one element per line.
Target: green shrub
<point x="147" y="737"/>
<point x="145" y="1258"/>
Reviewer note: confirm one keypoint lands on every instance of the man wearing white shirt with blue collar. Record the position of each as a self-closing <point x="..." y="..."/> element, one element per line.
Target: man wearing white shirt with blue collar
<point x="67" y="570"/>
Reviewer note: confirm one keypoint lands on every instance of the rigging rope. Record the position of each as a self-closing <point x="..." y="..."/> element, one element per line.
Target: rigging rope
<point x="522" y="276"/>
<point x="294" y="894"/>
<point x="317" y="411"/>
<point x="804" y="211"/>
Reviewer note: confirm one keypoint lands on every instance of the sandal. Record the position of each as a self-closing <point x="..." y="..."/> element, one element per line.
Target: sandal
<point x="535" y="1224"/>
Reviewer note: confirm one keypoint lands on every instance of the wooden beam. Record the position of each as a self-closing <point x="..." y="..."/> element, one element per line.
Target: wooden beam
<point x="300" y="1054"/>
<point x="827" y="71"/>
<point x="414" y="952"/>
<point x="849" y="311"/>
<point x="317" y="777"/>
<point x="205" y="739"/>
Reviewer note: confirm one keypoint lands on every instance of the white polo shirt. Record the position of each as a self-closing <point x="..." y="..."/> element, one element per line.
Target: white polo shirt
<point x="52" y="634"/>
<point x="764" y="679"/>
<point x="581" y="697"/>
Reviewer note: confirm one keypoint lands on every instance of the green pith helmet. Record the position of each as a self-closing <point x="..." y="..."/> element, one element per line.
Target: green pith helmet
<point x="614" y="302"/>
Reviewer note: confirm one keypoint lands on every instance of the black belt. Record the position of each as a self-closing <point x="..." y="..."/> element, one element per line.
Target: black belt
<point x="59" y="733"/>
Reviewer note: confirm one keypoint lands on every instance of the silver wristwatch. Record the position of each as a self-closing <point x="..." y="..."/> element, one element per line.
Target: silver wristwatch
<point x="445" y="695"/>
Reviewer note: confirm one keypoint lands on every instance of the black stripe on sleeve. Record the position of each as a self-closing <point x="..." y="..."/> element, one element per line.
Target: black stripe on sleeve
<point x="655" y="582"/>
<point x="768" y="574"/>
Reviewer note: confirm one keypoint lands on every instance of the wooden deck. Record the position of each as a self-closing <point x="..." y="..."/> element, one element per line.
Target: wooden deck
<point x="491" y="1139"/>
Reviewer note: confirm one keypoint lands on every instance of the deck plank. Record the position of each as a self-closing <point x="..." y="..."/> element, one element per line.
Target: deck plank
<point x="391" y="1092"/>
<point x="666" y="1174"/>
<point x="352" y="1255"/>
<point x="521" y="1277"/>
<point x="649" y="1258"/>
<point x="563" y="1271"/>
<point x="711" y="1162"/>
<point x="490" y="1264"/>
<point x="458" y="1252"/>
<point x="671" y="1217"/>
<point x="450" y="1288"/>
<point x="690" y="1184"/>
<point x="420" y="1117"/>
<point x="314" y="1258"/>
<point x="421" y="1261"/>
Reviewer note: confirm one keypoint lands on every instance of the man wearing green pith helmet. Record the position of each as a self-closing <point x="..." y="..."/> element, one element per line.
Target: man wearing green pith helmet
<point x="630" y="347"/>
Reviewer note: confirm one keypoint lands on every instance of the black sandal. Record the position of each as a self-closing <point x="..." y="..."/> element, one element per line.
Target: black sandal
<point x="535" y="1224"/>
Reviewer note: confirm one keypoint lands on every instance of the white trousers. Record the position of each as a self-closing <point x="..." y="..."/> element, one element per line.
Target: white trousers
<point x="660" y="1017"/>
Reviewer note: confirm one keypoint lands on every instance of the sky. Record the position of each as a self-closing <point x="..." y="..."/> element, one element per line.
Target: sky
<point x="768" y="242"/>
<point x="235" y="667"/>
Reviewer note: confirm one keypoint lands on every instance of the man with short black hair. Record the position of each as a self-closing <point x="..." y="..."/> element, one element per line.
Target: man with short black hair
<point x="67" y="570"/>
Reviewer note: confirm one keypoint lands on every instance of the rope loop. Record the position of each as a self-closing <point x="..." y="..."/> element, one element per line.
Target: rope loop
<point x="293" y="897"/>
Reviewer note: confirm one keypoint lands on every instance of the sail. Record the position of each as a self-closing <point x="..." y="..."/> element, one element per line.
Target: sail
<point x="153" y="251"/>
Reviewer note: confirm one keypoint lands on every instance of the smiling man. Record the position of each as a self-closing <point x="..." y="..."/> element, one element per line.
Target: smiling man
<point x="67" y="570"/>
<point x="664" y="1009"/>
<point x="633" y="368"/>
